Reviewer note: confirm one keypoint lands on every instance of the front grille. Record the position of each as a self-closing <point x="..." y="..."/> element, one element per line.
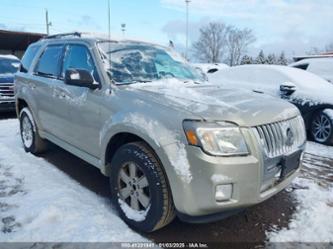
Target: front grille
<point x="281" y="138"/>
<point x="6" y="92"/>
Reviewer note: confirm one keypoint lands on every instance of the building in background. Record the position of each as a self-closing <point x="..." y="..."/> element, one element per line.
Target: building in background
<point x="15" y="42"/>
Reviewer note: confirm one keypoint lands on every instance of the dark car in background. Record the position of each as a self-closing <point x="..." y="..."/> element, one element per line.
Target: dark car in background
<point x="9" y="65"/>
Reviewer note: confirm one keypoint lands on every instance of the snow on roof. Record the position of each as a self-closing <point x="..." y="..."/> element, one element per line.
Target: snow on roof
<point x="310" y="87"/>
<point x="299" y="58"/>
<point x="9" y="56"/>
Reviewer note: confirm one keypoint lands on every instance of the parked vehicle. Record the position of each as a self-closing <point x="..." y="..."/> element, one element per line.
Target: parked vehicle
<point x="171" y="143"/>
<point x="9" y="65"/>
<point x="321" y="66"/>
<point x="310" y="93"/>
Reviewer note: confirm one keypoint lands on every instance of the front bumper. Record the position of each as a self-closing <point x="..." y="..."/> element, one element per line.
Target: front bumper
<point x="7" y="106"/>
<point x="196" y="201"/>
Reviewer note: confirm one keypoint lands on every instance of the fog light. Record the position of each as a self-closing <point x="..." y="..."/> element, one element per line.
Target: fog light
<point x="223" y="192"/>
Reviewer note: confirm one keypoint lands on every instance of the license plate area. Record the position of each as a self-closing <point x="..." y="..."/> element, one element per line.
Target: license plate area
<point x="290" y="163"/>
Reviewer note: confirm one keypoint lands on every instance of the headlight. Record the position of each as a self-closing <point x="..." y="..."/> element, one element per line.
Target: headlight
<point x="217" y="139"/>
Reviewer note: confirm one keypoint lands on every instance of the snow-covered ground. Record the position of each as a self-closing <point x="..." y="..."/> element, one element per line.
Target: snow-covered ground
<point x="313" y="219"/>
<point x="319" y="150"/>
<point x="40" y="203"/>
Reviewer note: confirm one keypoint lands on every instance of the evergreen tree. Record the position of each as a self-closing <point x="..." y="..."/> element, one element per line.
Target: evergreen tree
<point x="282" y="60"/>
<point x="261" y="59"/>
<point x="271" y="59"/>
<point x="246" y="60"/>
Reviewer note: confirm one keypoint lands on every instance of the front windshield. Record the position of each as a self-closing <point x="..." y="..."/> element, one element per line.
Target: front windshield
<point x="9" y="66"/>
<point x="139" y="63"/>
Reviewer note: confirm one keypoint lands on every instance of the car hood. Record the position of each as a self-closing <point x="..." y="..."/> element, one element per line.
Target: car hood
<point x="215" y="103"/>
<point x="6" y="78"/>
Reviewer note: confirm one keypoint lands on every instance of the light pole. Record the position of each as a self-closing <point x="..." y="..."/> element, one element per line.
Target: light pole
<point x="187" y="26"/>
<point x="109" y="20"/>
<point x="48" y="23"/>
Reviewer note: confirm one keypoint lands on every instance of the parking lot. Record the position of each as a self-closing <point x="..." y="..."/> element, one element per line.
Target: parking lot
<point x="252" y="225"/>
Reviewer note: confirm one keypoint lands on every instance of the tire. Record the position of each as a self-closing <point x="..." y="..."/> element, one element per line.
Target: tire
<point x="153" y="190"/>
<point x="321" y="129"/>
<point x="31" y="140"/>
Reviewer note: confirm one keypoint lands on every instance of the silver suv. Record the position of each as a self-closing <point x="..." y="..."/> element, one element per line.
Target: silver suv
<point x="171" y="143"/>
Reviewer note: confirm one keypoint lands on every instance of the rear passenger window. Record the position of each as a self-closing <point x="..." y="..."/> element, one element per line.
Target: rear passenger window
<point x="79" y="57"/>
<point x="49" y="62"/>
<point x="28" y="57"/>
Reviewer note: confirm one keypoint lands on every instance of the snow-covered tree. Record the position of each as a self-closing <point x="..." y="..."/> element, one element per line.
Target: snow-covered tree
<point x="246" y="60"/>
<point x="261" y="59"/>
<point x="282" y="60"/>
<point x="238" y="42"/>
<point x="271" y="59"/>
<point x="211" y="46"/>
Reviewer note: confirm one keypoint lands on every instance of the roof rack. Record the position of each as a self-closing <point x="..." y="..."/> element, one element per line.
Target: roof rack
<point x="76" y="34"/>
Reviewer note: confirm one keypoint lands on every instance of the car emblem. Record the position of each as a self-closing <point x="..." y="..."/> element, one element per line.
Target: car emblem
<point x="290" y="137"/>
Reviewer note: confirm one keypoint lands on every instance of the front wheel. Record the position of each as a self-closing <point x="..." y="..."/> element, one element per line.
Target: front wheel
<point x="322" y="128"/>
<point x="31" y="140"/>
<point x="139" y="188"/>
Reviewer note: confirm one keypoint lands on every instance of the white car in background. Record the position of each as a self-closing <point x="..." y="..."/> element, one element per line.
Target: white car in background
<point x="309" y="92"/>
<point x="322" y="66"/>
<point x="210" y="68"/>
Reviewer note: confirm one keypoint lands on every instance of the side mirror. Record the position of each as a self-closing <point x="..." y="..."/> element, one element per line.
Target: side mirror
<point x="80" y="78"/>
<point x="287" y="89"/>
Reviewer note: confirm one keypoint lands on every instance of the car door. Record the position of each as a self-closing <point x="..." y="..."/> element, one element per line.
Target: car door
<point x="83" y="103"/>
<point x="51" y="110"/>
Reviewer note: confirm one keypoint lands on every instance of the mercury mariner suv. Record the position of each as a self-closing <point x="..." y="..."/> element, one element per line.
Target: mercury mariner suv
<point x="171" y="143"/>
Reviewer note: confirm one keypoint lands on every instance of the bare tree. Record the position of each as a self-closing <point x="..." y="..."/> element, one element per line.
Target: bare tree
<point x="211" y="46"/>
<point x="238" y="42"/>
<point x="329" y="47"/>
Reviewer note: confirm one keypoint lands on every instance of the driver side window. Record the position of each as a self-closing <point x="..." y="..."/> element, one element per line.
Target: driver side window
<point x="79" y="57"/>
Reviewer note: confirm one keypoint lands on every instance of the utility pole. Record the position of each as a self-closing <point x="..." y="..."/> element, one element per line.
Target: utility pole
<point x="109" y="19"/>
<point x="48" y="23"/>
<point x="187" y="26"/>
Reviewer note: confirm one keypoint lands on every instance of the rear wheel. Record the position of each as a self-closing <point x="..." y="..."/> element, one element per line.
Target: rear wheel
<point x="322" y="128"/>
<point x="31" y="140"/>
<point x="139" y="188"/>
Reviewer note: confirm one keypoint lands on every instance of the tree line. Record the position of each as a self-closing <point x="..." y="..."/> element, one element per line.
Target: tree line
<point x="221" y="43"/>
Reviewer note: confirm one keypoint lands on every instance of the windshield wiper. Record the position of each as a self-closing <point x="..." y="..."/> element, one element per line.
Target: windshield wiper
<point x="133" y="82"/>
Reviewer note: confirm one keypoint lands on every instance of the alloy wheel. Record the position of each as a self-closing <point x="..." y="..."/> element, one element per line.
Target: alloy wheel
<point x="134" y="187"/>
<point x="27" y="132"/>
<point x="321" y="128"/>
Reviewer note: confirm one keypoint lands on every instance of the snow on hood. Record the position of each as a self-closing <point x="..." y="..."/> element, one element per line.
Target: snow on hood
<point x="212" y="102"/>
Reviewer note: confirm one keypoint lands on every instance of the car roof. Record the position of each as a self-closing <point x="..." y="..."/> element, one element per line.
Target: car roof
<point x="90" y="38"/>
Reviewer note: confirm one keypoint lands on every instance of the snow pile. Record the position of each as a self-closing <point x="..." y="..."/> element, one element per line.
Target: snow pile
<point x="132" y="214"/>
<point x="312" y="221"/>
<point x="40" y="203"/>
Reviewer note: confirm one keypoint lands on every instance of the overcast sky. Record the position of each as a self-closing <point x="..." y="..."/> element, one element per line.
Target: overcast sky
<point x="291" y="25"/>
